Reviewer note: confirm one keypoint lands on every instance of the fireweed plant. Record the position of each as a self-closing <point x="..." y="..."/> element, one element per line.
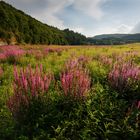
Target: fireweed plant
<point x="125" y="78"/>
<point x="28" y="84"/>
<point x="75" y="80"/>
<point x="11" y="53"/>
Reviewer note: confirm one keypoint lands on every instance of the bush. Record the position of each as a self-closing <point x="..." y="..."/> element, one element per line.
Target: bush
<point x="28" y="85"/>
<point x="75" y="80"/>
<point x="125" y="78"/>
<point x="11" y="53"/>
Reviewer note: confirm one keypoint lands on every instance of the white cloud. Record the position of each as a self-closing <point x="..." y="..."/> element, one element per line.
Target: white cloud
<point x="91" y="8"/>
<point x="123" y="29"/>
<point x="48" y="12"/>
<point x="53" y="8"/>
<point x="78" y="29"/>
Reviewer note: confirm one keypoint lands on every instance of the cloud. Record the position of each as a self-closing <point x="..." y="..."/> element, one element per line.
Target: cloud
<point x="120" y="29"/>
<point x="29" y="6"/>
<point x="123" y="29"/>
<point x="53" y="8"/>
<point x="91" y="8"/>
<point x="136" y="28"/>
<point x="78" y="29"/>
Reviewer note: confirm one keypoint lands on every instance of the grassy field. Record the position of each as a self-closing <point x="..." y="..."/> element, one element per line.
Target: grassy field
<point x="69" y="92"/>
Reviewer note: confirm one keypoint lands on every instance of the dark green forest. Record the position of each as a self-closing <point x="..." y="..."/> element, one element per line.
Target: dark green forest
<point x="17" y="26"/>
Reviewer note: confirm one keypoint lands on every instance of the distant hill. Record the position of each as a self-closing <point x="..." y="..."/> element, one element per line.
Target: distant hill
<point x="18" y="27"/>
<point x="114" y="39"/>
<point x="103" y="36"/>
<point x="132" y="37"/>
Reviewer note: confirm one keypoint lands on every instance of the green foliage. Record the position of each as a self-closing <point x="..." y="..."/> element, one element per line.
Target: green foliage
<point x="74" y="38"/>
<point x="98" y="72"/>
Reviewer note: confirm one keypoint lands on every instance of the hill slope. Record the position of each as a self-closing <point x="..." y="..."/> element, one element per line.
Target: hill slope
<point x="18" y="27"/>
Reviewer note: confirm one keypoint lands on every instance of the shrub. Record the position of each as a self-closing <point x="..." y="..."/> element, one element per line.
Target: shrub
<point x="75" y="80"/>
<point x="106" y="61"/>
<point x="36" y="53"/>
<point x="71" y="64"/>
<point x="28" y="85"/>
<point x="83" y="61"/>
<point x="11" y="53"/>
<point x="125" y="78"/>
<point x="77" y="63"/>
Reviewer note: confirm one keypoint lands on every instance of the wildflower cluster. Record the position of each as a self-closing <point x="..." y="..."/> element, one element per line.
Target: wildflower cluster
<point x="83" y="60"/>
<point x="105" y="60"/>
<point x="28" y="84"/>
<point x="36" y="53"/>
<point x="124" y="76"/>
<point x="11" y="53"/>
<point x="75" y="80"/>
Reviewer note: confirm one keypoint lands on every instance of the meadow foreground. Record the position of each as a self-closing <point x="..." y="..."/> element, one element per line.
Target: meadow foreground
<point x="70" y="92"/>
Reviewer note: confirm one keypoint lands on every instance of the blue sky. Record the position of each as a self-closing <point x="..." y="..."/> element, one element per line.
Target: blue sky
<point x="89" y="17"/>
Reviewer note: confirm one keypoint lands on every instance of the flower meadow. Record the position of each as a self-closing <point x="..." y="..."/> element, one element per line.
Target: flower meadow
<point x="70" y="92"/>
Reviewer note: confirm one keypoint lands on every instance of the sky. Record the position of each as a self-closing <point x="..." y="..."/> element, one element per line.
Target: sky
<point x="89" y="17"/>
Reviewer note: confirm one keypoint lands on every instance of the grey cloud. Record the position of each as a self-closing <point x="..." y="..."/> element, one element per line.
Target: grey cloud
<point x="29" y="6"/>
<point x="136" y="28"/>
